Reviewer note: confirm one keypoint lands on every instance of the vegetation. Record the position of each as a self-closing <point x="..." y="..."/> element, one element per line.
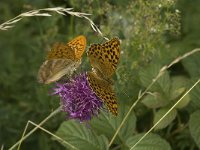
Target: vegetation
<point x="157" y="76"/>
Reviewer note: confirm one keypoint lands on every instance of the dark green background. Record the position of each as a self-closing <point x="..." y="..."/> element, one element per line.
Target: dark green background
<point x="24" y="47"/>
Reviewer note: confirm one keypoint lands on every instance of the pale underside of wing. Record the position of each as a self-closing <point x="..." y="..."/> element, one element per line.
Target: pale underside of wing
<point x="53" y="70"/>
<point x="104" y="91"/>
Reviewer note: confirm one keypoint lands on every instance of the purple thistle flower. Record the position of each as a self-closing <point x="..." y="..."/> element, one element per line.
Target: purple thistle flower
<point x="78" y="99"/>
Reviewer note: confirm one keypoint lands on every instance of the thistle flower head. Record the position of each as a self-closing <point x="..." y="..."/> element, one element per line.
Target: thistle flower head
<point x="77" y="98"/>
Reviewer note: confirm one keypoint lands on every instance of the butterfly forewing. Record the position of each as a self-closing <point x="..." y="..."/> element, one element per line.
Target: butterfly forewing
<point x="79" y="45"/>
<point x="105" y="57"/>
<point x="104" y="91"/>
<point x="61" y="51"/>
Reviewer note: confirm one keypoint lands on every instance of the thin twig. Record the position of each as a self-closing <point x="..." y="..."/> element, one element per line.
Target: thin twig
<point x="43" y="129"/>
<point x="44" y="12"/>
<point x="34" y="129"/>
<point x="164" y="115"/>
<point x="161" y="72"/>
<point x="2" y="147"/>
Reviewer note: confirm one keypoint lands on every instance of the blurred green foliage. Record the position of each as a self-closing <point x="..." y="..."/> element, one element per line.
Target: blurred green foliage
<point x="153" y="33"/>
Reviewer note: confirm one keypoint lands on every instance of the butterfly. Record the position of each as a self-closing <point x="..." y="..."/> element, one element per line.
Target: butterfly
<point x="63" y="59"/>
<point x="104" y="59"/>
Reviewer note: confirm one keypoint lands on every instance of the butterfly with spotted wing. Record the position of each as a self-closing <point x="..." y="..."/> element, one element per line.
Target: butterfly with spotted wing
<point x="62" y="60"/>
<point x="104" y="59"/>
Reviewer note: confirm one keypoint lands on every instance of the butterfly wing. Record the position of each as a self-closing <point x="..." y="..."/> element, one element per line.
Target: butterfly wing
<point x="78" y="44"/>
<point x="52" y="70"/>
<point x="104" y="91"/>
<point x="61" y="51"/>
<point x="63" y="59"/>
<point x="104" y="58"/>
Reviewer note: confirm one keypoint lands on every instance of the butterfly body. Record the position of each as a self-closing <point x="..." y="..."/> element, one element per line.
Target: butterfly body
<point x="104" y="59"/>
<point x="63" y="59"/>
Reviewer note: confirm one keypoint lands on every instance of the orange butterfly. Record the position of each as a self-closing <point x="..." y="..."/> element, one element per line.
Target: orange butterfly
<point x="63" y="59"/>
<point x="104" y="59"/>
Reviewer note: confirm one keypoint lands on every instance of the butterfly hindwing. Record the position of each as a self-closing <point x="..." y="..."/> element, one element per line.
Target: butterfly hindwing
<point x="53" y="70"/>
<point x="104" y="91"/>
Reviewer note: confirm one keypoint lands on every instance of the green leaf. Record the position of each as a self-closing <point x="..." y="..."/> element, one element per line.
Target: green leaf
<point x="148" y="74"/>
<point x="184" y="102"/>
<point x="194" y="126"/>
<point x="195" y="96"/>
<point x="162" y="85"/>
<point x="176" y="93"/>
<point x="107" y="124"/>
<point x="44" y="141"/>
<point x="192" y="64"/>
<point x="81" y="137"/>
<point x="150" y="142"/>
<point x="179" y="85"/>
<point x="167" y="120"/>
<point x="154" y="100"/>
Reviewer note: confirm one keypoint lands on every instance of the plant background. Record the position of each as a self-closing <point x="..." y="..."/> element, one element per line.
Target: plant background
<point x="153" y="33"/>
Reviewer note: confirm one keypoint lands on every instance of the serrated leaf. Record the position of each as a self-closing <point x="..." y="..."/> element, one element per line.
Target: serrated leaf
<point x="192" y="64"/>
<point x="194" y="126"/>
<point x="184" y="102"/>
<point x="154" y="100"/>
<point x="107" y="124"/>
<point x="150" y="142"/>
<point x="167" y="120"/>
<point x="178" y="87"/>
<point x="176" y="93"/>
<point x="148" y="74"/>
<point x="81" y="137"/>
<point x="162" y="85"/>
